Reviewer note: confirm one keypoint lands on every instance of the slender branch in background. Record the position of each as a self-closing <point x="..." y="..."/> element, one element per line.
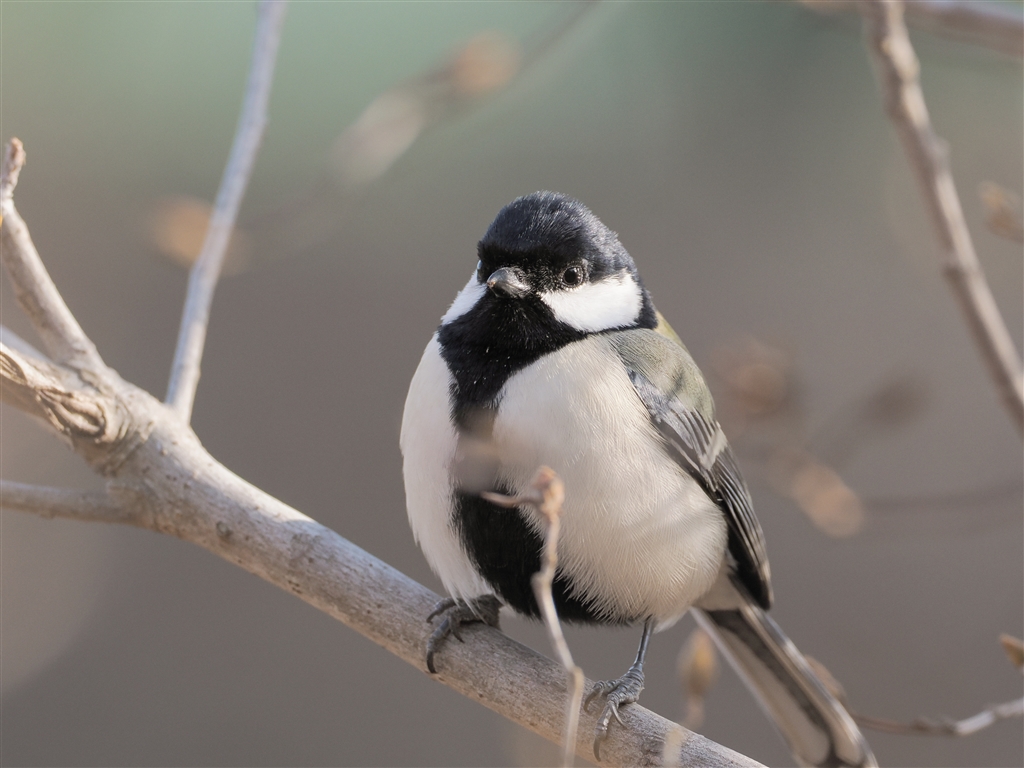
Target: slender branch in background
<point x="945" y="727"/>
<point x="928" y="154"/>
<point x="697" y="667"/>
<point x="986" y="24"/>
<point x="96" y="506"/>
<point x="181" y="390"/>
<point x="547" y="494"/>
<point x="983" y="23"/>
<point x="931" y="726"/>
<point x="36" y="293"/>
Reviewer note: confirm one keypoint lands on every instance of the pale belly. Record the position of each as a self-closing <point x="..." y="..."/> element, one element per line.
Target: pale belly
<point x="639" y="537"/>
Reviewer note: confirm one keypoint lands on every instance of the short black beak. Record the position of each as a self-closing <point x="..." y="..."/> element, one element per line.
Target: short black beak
<point x="508" y="281"/>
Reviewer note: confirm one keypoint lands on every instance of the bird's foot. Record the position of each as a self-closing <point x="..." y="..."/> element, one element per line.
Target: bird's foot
<point x="455" y="614"/>
<point x="617" y="693"/>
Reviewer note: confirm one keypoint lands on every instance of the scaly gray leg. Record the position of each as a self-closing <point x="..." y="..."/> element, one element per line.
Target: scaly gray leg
<point x="456" y="613"/>
<point x="619" y="692"/>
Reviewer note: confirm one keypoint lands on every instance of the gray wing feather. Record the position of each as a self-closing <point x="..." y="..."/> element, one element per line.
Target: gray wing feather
<point x="672" y="389"/>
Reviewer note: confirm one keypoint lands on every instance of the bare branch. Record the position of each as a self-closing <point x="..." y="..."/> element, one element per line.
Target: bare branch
<point x="552" y="493"/>
<point x="89" y="417"/>
<point x="989" y="24"/>
<point x="944" y="726"/>
<point x="927" y="726"/>
<point x="36" y="293"/>
<point x="172" y="485"/>
<point x="697" y="667"/>
<point x="61" y="502"/>
<point x="181" y="389"/>
<point x="547" y="495"/>
<point x="928" y="154"/>
<point x="986" y="24"/>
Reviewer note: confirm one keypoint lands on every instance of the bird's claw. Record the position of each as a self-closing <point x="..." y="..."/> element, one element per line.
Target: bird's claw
<point x="617" y="693"/>
<point x="440" y="607"/>
<point x="457" y="613"/>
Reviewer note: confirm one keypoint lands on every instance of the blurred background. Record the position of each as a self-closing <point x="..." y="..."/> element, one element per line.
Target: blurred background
<point x="741" y="152"/>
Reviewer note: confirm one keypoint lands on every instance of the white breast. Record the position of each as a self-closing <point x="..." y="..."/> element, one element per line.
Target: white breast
<point x="638" y="533"/>
<point x="639" y="536"/>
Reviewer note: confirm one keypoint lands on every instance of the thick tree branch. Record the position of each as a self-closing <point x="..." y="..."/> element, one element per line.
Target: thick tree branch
<point x="160" y="477"/>
<point x="181" y="389"/>
<point x="928" y="154"/>
<point x="97" y="424"/>
<point x="38" y="296"/>
<point x="169" y="483"/>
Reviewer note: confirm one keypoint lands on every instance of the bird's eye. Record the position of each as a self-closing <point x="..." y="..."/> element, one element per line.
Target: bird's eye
<point x="572" y="276"/>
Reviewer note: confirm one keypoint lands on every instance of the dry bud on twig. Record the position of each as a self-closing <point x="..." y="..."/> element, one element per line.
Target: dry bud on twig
<point x="1014" y="648"/>
<point x="1002" y="211"/>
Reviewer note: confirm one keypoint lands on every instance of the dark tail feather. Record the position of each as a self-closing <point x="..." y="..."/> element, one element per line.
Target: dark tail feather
<point x="817" y="728"/>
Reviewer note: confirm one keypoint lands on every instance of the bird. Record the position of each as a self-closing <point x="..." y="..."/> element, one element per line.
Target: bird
<point x="554" y="354"/>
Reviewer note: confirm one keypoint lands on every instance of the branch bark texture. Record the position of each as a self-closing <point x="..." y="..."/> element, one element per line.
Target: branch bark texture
<point x="898" y="71"/>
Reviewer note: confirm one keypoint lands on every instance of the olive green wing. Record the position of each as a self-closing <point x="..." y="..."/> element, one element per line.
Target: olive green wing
<point x="673" y="390"/>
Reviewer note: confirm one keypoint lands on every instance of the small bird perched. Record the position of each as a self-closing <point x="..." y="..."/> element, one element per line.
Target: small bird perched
<point x="553" y="354"/>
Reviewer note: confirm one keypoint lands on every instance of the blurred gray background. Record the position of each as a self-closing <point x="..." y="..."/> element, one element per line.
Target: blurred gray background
<point x="741" y="152"/>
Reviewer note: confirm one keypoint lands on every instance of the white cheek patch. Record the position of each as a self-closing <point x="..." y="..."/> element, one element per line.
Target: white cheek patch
<point x="465" y="301"/>
<point x="612" y="302"/>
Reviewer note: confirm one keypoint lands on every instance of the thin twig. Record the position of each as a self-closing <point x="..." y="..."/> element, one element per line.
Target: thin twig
<point x="944" y="726"/>
<point x="987" y="24"/>
<point x="36" y="293"/>
<point x="181" y="390"/>
<point x="62" y="502"/>
<point x="928" y="154"/>
<point x="547" y="494"/>
<point x="983" y="23"/>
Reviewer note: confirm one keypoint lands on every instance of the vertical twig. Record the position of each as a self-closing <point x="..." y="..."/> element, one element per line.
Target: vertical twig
<point x="181" y="389"/>
<point x="928" y="154"/>
<point x="547" y="494"/>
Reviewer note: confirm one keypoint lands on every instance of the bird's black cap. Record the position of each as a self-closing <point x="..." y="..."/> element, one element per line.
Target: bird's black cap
<point x="551" y="229"/>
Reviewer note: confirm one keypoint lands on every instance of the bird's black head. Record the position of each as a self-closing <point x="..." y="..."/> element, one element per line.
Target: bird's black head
<point x="551" y="262"/>
<point x="550" y="273"/>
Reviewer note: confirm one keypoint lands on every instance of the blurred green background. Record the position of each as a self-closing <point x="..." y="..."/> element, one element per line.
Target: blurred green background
<point x="742" y="153"/>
